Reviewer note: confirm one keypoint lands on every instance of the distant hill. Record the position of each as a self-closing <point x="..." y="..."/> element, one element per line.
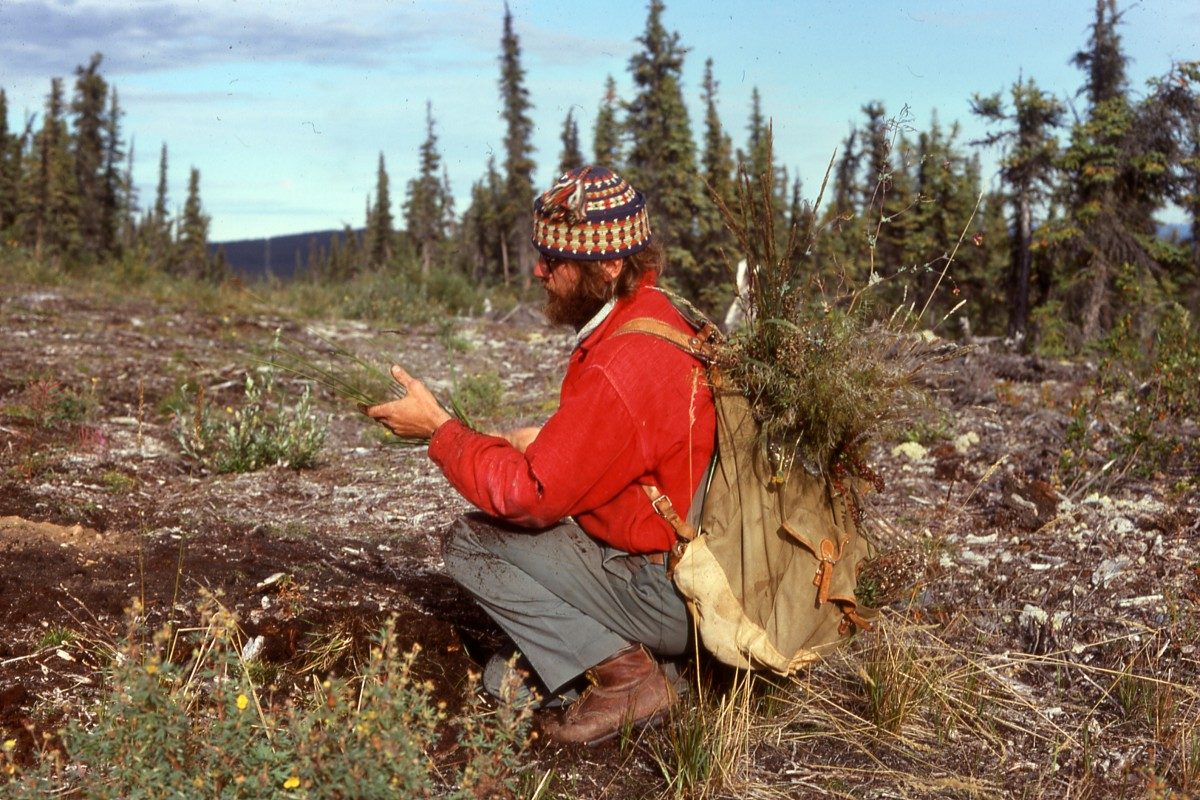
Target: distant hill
<point x="276" y="256"/>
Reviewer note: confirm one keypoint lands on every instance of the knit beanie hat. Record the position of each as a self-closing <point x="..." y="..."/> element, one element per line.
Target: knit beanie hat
<point x="591" y="214"/>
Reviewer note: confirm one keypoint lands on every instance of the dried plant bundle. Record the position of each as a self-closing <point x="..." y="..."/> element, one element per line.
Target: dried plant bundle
<point x="825" y="374"/>
<point x="344" y="373"/>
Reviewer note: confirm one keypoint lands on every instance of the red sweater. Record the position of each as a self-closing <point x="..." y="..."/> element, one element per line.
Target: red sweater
<point x="633" y="410"/>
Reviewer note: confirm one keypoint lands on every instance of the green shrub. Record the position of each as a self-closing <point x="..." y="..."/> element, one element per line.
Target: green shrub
<point x="46" y="403"/>
<point x="1129" y="420"/>
<point x="478" y="396"/>
<point x="402" y="294"/>
<point x="258" y="433"/>
<point x="198" y="730"/>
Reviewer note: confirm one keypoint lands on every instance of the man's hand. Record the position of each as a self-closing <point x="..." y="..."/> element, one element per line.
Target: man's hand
<point x="416" y="415"/>
<point x="521" y="437"/>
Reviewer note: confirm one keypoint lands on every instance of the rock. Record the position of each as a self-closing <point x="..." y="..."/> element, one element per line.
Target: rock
<point x="1110" y="568"/>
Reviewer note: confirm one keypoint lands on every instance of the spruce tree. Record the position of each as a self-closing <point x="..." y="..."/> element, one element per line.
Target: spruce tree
<point x="482" y="225"/>
<point x="192" y="247"/>
<point x="516" y="248"/>
<point x="425" y="199"/>
<point x="1116" y="181"/>
<point x="90" y="150"/>
<point x="715" y="253"/>
<point x="662" y="156"/>
<point x="49" y="195"/>
<point x="845" y="176"/>
<point x="1173" y="110"/>
<point x="570" y="158"/>
<point x="157" y="232"/>
<point x="1027" y="169"/>
<point x="946" y="191"/>
<point x="606" y="138"/>
<point x="10" y="170"/>
<point x="117" y="201"/>
<point x="127" y="204"/>
<point x="380" y="227"/>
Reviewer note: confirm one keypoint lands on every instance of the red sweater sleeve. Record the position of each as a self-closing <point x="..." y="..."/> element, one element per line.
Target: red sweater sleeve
<point x="586" y="453"/>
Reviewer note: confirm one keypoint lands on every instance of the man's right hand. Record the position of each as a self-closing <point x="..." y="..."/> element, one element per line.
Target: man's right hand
<point x="416" y="415"/>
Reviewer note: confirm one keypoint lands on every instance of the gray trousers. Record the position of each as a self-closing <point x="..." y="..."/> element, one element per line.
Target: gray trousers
<point x="567" y="600"/>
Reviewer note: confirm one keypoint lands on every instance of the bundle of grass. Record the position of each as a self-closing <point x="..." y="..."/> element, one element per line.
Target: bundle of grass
<point x="337" y="369"/>
<point x="345" y="373"/>
<point x="824" y="371"/>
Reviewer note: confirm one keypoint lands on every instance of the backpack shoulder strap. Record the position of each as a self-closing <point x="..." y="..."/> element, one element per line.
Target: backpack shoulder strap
<point x="700" y="344"/>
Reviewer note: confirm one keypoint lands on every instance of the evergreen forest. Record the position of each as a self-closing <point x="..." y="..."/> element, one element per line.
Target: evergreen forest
<point x="1051" y="259"/>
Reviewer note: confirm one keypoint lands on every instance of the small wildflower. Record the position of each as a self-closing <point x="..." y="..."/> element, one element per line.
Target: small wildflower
<point x="242" y="702"/>
<point x="9" y="744"/>
<point x="151" y="669"/>
<point x="291" y="783"/>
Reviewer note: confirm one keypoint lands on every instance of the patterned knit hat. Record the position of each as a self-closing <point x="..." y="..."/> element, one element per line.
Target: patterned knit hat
<point x="591" y="214"/>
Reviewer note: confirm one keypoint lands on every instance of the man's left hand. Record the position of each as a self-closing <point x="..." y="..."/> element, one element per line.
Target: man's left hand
<point x="416" y="415"/>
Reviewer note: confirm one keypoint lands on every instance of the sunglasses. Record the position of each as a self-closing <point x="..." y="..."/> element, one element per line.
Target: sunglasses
<point x="550" y="264"/>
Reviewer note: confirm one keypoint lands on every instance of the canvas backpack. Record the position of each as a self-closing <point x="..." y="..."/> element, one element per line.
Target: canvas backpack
<point x="768" y="566"/>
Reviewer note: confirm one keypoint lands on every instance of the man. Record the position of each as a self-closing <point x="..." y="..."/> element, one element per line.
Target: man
<point x="570" y="559"/>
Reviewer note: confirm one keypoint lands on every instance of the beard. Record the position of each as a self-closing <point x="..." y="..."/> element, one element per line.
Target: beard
<point x="585" y="300"/>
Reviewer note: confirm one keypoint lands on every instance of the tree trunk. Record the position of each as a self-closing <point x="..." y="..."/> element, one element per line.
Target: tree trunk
<point x="504" y="256"/>
<point x="1018" y="299"/>
<point x="1097" y="291"/>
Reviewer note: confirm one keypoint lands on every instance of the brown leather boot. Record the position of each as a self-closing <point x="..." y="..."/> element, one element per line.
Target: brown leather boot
<point x="627" y="688"/>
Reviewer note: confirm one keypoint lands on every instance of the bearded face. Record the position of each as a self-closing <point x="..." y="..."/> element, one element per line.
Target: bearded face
<point x="575" y="292"/>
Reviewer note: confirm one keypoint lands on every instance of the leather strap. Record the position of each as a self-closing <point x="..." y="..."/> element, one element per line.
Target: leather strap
<point x="684" y="533"/>
<point x="699" y="345"/>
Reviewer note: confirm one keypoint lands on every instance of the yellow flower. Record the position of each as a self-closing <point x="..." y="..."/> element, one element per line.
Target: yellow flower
<point x="151" y="669"/>
<point x="242" y="702"/>
<point x="10" y="744"/>
<point x="291" y="783"/>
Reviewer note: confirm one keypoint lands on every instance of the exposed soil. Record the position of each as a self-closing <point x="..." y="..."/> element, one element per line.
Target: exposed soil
<point x="99" y="510"/>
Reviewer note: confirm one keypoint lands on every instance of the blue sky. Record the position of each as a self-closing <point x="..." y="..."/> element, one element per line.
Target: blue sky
<point x="285" y="106"/>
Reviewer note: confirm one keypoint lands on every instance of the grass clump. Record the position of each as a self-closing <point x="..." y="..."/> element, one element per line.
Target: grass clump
<point x="258" y="433"/>
<point x="46" y="403"/>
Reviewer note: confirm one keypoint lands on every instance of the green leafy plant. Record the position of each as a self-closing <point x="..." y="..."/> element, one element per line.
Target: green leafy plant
<point x="260" y="432"/>
<point x="46" y="403"/>
<point x="195" y="727"/>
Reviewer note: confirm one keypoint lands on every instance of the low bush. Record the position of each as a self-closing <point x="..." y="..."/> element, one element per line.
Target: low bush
<point x="258" y="433"/>
<point x="194" y="728"/>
